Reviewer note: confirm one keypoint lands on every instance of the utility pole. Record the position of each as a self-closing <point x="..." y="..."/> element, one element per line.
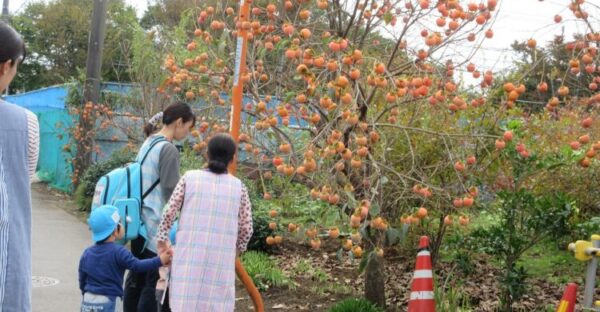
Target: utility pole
<point x="5" y="14"/>
<point x="91" y="90"/>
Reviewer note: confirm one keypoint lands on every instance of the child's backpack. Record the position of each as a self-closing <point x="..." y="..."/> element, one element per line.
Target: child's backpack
<point x="123" y="188"/>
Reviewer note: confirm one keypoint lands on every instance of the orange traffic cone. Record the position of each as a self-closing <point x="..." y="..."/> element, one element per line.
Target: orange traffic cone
<point x="421" y="293"/>
<point x="567" y="303"/>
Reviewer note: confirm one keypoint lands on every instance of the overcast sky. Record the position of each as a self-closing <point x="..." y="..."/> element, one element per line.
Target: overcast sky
<point x="517" y="20"/>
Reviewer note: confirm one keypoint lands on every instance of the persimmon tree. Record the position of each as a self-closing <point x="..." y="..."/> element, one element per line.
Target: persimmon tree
<point x="390" y="135"/>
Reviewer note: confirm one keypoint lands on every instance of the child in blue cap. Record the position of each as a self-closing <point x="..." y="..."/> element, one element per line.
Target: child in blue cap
<point x="102" y="266"/>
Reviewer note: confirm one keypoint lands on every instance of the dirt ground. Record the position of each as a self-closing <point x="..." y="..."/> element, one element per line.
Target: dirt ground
<point x="326" y="280"/>
<point x="315" y="295"/>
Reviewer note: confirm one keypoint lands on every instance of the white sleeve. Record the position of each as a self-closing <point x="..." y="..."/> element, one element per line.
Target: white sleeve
<point x="33" y="142"/>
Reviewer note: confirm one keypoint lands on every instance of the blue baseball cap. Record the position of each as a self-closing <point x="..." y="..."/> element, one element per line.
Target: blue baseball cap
<point x="103" y="221"/>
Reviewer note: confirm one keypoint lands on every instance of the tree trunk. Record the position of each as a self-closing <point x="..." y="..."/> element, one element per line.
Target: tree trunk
<point x="375" y="281"/>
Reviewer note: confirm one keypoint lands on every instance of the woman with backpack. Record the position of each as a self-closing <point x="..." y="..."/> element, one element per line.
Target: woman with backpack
<point x="160" y="174"/>
<point x="215" y="224"/>
<point x="19" y="146"/>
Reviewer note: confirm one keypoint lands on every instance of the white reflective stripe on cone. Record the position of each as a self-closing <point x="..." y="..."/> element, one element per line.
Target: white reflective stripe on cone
<point x="423" y="274"/>
<point x="421" y="295"/>
<point x="424" y="253"/>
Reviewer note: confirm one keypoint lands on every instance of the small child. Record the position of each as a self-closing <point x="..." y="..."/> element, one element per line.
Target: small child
<point x="102" y="266"/>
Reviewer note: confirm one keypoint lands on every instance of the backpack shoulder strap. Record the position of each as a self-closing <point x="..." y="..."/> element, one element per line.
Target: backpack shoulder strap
<point x="152" y="145"/>
<point x="155" y="184"/>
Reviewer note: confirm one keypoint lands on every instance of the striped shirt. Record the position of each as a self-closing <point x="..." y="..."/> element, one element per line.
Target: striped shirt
<point x="162" y="163"/>
<point x="33" y="133"/>
<point x="19" y="146"/>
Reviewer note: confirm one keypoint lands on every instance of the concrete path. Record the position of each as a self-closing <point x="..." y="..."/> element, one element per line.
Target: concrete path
<point x="59" y="238"/>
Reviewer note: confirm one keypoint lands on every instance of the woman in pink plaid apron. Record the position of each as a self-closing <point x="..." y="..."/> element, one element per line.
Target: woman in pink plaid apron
<point x="215" y="224"/>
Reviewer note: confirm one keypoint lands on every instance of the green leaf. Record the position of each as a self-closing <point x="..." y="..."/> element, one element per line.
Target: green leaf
<point x="310" y="221"/>
<point x="289" y="95"/>
<point x="392" y="236"/>
<point x="282" y="43"/>
<point x="374" y="210"/>
<point x="405" y="228"/>
<point x="364" y="261"/>
<point x="222" y="43"/>
<point x="514" y="124"/>
<point x="331" y="216"/>
<point x="340" y="254"/>
<point x="350" y="197"/>
<point x="363" y="230"/>
<point x="387" y="17"/>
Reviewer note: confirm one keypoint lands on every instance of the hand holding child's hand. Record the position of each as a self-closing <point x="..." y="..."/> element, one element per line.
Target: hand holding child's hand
<point x="166" y="256"/>
<point x="163" y="246"/>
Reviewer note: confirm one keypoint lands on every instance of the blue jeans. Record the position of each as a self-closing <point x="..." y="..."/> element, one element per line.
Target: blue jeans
<point x="98" y="303"/>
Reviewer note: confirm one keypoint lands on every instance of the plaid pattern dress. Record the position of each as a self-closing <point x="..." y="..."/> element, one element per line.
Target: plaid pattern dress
<point x="215" y="220"/>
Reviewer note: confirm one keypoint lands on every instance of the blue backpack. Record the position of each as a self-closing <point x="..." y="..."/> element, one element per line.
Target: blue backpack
<point x="123" y="188"/>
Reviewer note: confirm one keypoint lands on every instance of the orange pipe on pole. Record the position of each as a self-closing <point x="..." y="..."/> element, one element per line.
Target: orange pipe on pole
<point x="235" y="123"/>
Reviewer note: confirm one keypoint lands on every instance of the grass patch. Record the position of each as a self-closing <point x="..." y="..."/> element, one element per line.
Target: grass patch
<point x="450" y="297"/>
<point x="546" y="261"/>
<point x="355" y="305"/>
<point x="264" y="271"/>
<point x="324" y="283"/>
<point x="306" y="269"/>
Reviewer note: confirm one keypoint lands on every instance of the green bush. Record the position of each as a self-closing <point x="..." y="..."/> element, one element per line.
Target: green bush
<point x="355" y="305"/>
<point x="264" y="271"/>
<point x="85" y="191"/>
<point x="583" y="229"/>
<point x="189" y="159"/>
<point x="261" y="229"/>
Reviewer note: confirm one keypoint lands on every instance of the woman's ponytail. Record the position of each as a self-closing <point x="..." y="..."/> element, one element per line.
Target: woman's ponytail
<point x="152" y="124"/>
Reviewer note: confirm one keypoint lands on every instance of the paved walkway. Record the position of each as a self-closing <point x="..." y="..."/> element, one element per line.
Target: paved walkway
<point x="59" y="238"/>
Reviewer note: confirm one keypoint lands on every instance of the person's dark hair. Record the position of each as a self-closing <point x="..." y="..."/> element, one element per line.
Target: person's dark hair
<point x="12" y="47"/>
<point x="221" y="149"/>
<point x="171" y="114"/>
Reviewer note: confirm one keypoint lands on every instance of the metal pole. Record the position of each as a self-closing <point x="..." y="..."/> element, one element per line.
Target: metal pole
<point x="590" y="276"/>
<point x="240" y="68"/>
<point x="234" y="126"/>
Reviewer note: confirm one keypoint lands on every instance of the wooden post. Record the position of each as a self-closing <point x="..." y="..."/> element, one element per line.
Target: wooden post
<point x="234" y="126"/>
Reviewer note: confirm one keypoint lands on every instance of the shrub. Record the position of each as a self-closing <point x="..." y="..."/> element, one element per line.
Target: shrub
<point x="584" y="228"/>
<point x="355" y="305"/>
<point x="85" y="191"/>
<point x="264" y="271"/>
<point x="525" y="220"/>
<point x="189" y="159"/>
<point x="260" y="225"/>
